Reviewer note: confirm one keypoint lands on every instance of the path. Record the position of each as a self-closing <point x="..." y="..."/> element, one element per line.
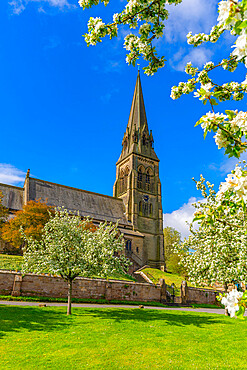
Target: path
<point x="92" y="305"/>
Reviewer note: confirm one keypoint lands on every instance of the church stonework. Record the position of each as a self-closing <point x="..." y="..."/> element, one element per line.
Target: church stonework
<point x="138" y="184"/>
<point x="136" y="204"/>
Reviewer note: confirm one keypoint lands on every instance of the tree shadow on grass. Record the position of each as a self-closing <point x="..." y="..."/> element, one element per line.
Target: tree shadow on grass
<point x="174" y="318"/>
<point x="16" y="318"/>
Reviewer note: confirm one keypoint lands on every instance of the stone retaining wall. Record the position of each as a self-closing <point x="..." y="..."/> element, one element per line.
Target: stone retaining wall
<point x="49" y="286"/>
<point x="204" y="296"/>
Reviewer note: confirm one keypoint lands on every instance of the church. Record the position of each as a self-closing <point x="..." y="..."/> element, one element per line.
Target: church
<point x="136" y="203"/>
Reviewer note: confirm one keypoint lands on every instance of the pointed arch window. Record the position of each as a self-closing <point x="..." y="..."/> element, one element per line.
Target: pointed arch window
<point x="140" y="175"/>
<point x="150" y="209"/>
<point x="121" y="182"/>
<point x="148" y="176"/>
<point x="128" y="245"/>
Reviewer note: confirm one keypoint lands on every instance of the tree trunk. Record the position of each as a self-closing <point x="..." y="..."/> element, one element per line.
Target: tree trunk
<point x="226" y="288"/>
<point x="69" y="297"/>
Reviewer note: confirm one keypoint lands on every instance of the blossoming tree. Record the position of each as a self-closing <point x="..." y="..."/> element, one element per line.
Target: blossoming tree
<point x="148" y="18"/>
<point x="70" y="248"/>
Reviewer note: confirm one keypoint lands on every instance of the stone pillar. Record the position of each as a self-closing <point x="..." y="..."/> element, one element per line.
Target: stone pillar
<point x="16" y="292"/>
<point x="162" y="290"/>
<point x="108" y="291"/>
<point x="184" y="292"/>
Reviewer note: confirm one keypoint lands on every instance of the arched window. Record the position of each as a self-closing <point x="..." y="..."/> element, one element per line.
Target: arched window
<point x="140" y="177"/>
<point x="145" y="208"/>
<point x="126" y="174"/>
<point x="121" y="182"/>
<point x="128" y="245"/>
<point x="148" y="175"/>
<point x="150" y="209"/>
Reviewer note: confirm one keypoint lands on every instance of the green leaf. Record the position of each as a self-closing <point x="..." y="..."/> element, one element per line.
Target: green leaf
<point x="217" y="94"/>
<point x="205" y="101"/>
<point x="230" y="114"/>
<point x="198" y="123"/>
<point x="242" y="25"/>
<point x="213" y="102"/>
<point x="244" y="295"/>
<point x="240" y="312"/>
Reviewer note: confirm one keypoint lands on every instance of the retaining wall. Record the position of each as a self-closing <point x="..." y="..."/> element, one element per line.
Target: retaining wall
<point x="50" y="286"/>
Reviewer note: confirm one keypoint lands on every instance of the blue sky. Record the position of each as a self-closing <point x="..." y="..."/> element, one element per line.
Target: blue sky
<point x="65" y="106"/>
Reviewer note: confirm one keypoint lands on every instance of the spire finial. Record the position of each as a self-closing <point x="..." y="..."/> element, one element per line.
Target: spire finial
<point x="138" y="67"/>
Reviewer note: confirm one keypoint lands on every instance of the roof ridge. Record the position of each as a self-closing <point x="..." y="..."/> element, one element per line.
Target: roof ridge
<point x="11" y="186"/>
<point x="70" y="187"/>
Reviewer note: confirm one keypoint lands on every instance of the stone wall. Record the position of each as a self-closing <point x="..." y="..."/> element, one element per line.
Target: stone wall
<point x="49" y="286"/>
<point x="197" y="295"/>
<point x="205" y="296"/>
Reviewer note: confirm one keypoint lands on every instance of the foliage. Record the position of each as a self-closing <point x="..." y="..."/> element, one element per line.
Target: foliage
<point x="230" y="128"/>
<point x="100" y="338"/>
<point x="147" y="16"/>
<point x="31" y="219"/>
<point x="220" y="244"/>
<point x="3" y="211"/>
<point x="171" y="257"/>
<point x="174" y="265"/>
<point x="171" y="237"/>
<point x="69" y="248"/>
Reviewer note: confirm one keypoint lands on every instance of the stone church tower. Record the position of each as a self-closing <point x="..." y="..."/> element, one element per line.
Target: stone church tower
<point x="138" y="184"/>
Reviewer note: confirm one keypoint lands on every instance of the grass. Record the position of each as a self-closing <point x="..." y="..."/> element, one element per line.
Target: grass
<point x="8" y="262"/>
<point x="45" y="338"/>
<point x="155" y="275"/>
<point x="14" y="263"/>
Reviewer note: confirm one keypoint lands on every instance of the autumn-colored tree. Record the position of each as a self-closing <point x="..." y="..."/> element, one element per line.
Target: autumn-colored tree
<point x="3" y="212"/>
<point x="31" y="219"/>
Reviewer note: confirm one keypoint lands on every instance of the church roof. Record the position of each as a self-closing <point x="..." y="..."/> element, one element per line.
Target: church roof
<point x="12" y="196"/>
<point x="137" y="138"/>
<point x="97" y="206"/>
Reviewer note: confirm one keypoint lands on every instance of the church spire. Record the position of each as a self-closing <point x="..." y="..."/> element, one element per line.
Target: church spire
<point x="137" y="138"/>
<point x="137" y="117"/>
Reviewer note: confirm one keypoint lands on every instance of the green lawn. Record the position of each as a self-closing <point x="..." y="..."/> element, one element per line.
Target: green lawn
<point x="45" y="338"/>
<point x="155" y="275"/>
<point x="8" y="262"/>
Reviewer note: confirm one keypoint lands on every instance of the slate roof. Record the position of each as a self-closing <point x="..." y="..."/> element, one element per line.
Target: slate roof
<point x="12" y="197"/>
<point x="97" y="206"/>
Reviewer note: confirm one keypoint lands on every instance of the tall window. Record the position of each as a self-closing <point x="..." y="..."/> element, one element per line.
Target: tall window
<point x="148" y="175"/>
<point x="128" y="245"/>
<point x="140" y="177"/>
<point x="121" y="182"/>
<point x="126" y="174"/>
